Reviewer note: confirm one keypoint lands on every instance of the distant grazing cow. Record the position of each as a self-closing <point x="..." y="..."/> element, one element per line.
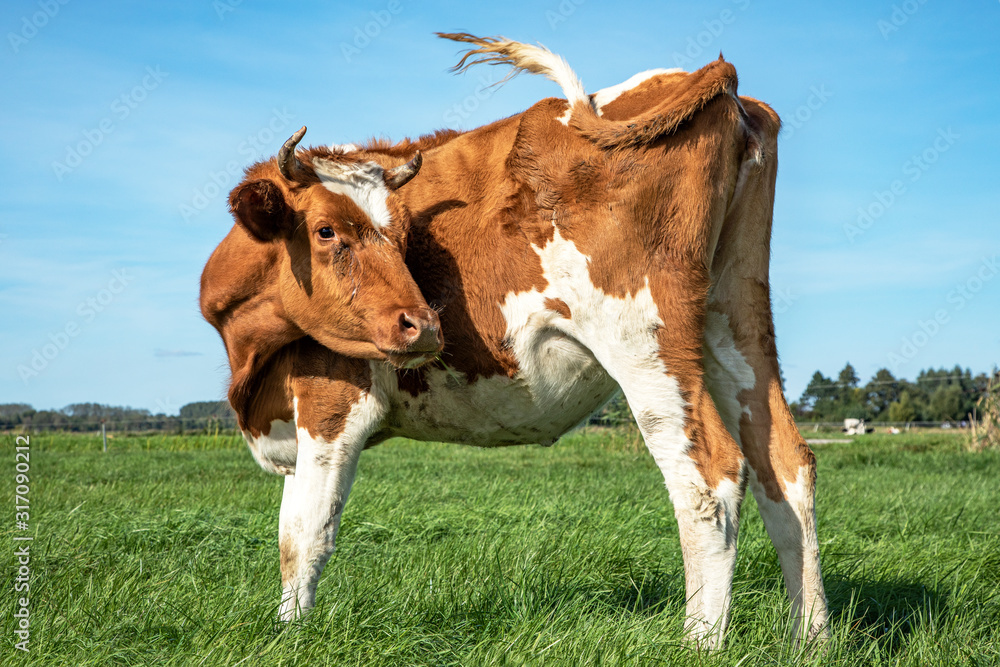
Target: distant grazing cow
<point x="614" y="240"/>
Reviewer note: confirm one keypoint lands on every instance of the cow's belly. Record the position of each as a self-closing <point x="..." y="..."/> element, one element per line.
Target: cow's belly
<point x="276" y="451"/>
<point x="559" y="385"/>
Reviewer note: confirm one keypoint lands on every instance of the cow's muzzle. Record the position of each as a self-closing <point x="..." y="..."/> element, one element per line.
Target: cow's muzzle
<point x="417" y="338"/>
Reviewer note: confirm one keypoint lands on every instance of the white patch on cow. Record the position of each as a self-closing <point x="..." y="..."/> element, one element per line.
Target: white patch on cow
<point x="727" y="372"/>
<point x="564" y="119"/>
<point x="499" y="410"/>
<point x="607" y="95"/>
<point x="552" y="361"/>
<point x="313" y="502"/>
<point x="276" y="451"/>
<point x="344" y="148"/>
<point x="791" y="524"/>
<point x="363" y="182"/>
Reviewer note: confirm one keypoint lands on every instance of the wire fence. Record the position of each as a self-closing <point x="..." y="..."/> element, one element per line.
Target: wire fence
<point x="187" y="425"/>
<point x="151" y="424"/>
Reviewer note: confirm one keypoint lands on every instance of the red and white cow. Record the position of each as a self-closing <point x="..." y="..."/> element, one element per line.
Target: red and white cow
<point x="605" y="241"/>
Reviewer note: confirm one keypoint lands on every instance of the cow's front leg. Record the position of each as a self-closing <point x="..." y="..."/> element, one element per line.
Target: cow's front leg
<point x="314" y="497"/>
<point x="311" y="507"/>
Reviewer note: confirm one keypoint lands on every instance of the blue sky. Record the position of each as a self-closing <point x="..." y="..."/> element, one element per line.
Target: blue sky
<point x="124" y="124"/>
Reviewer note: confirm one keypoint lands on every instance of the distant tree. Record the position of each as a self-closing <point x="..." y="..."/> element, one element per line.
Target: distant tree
<point x="937" y="394"/>
<point x="880" y="392"/>
<point x="49" y="417"/>
<point x="849" y="400"/>
<point x="817" y="396"/>
<point x="946" y="403"/>
<point x="848" y="378"/>
<point x="902" y="410"/>
<point x="91" y="412"/>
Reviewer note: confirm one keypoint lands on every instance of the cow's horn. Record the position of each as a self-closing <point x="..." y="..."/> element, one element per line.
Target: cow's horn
<point x="400" y="176"/>
<point x="287" y="162"/>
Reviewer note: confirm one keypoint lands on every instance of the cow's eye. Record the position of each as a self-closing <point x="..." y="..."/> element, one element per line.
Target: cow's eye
<point x="326" y="233"/>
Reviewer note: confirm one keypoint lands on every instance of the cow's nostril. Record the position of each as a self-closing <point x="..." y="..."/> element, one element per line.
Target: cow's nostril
<point x="405" y="323"/>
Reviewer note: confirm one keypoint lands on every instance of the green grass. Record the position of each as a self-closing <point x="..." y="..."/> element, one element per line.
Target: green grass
<point x="164" y="551"/>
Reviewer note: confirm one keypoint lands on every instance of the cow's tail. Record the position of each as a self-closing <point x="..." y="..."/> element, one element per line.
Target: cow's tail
<point x="525" y="58"/>
<point x="701" y="87"/>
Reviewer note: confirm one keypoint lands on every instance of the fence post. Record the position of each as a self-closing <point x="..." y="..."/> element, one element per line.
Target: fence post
<point x="104" y="436"/>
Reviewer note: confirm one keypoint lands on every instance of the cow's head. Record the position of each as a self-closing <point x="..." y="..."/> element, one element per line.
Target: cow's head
<point x="341" y="276"/>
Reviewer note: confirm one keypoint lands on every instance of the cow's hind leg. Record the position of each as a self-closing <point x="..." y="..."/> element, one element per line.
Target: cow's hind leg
<point x="741" y="364"/>
<point x="744" y="379"/>
<point x="659" y="369"/>
<point x="704" y="473"/>
<point x="314" y="497"/>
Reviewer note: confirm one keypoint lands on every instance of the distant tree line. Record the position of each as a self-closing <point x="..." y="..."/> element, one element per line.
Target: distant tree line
<point x="81" y="417"/>
<point x="940" y="395"/>
<point x="937" y="395"/>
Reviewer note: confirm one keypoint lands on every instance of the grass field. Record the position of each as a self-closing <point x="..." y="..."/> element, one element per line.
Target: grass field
<point x="164" y="552"/>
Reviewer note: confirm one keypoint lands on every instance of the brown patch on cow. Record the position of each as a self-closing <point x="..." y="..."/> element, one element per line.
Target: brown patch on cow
<point x="559" y="306"/>
<point x="413" y="381"/>
<point x="289" y="559"/>
<point x="715" y="453"/>
<point x="648" y="95"/>
<point x="270" y="394"/>
<point x="326" y="385"/>
<point x="713" y="449"/>
<point x="773" y="445"/>
<point x="661" y="208"/>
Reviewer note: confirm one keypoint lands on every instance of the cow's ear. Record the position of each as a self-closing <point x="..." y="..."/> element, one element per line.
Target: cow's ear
<point x="260" y="207"/>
